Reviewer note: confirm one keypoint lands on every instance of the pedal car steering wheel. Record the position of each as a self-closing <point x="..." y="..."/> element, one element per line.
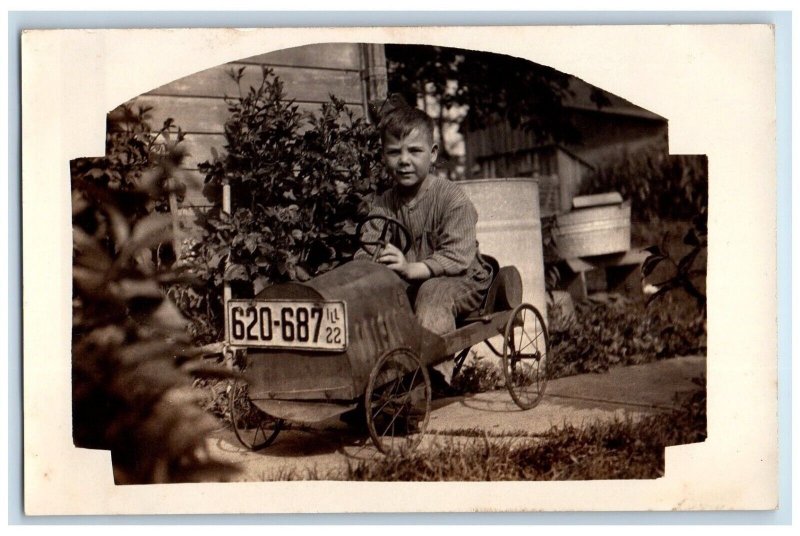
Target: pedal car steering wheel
<point x="378" y="245"/>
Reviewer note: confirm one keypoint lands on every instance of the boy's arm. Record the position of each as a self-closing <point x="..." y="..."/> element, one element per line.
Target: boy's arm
<point x="394" y="259"/>
<point x="456" y="241"/>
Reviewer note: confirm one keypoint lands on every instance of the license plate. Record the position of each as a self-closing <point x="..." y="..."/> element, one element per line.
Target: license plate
<point x="303" y="325"/>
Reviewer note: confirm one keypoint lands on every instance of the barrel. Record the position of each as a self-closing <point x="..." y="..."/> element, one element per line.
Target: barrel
<point x="510" y="229"/>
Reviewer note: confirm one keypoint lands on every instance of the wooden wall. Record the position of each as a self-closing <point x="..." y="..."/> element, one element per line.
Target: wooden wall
<point x="603" y="132"/>
<point x="571" y="172"/>
<point x="309" y="73"/>
<point x="560" y="172"/>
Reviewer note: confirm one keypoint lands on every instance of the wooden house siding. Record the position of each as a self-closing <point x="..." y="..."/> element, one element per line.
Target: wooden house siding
<point x="499" y="150"/>
<point x="603" y="131"/>
<point x="309" y="73"/>
<point x="572" y="172"/>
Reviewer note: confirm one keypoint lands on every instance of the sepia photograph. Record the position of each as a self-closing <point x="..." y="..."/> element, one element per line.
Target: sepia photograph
<point x="386" y="261"/>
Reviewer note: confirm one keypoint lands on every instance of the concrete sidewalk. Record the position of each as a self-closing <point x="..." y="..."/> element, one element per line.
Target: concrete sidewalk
<point x="576" y="400"/>
<point x="623" y="392"/>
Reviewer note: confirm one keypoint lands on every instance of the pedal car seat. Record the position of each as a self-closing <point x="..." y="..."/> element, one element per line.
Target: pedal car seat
<point x="505" y="291"/>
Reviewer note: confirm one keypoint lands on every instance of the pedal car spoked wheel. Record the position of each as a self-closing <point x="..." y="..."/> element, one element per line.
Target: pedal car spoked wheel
<point x="398" y="401"/>
<point x="525" y="351"/>
<point x="253" y="428"/>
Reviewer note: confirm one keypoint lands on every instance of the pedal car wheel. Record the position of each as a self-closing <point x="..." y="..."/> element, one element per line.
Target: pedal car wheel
<point x="525" y="351"/>
<point x="398" y="401"/>
<point x="253" y="428"/>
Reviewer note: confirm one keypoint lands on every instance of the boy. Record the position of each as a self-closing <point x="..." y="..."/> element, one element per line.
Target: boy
<point x="443" y="265"/>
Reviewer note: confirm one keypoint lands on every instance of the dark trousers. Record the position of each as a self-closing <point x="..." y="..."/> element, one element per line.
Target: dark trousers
<point x="440" y="300"/>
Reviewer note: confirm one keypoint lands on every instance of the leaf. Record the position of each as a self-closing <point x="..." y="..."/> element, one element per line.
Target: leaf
<point x="236" y="272"/>
<point x="260" y="283"/>
<point x="132" y="354"/>
<point x="137" y="288"/>
<point x="79" y="202"/>
<point x="686" y="262"/>
<point x="202" y="369"/>
<point x="282" y="267"/>
<point x="105" y="336"/>
<point x="89" y="254"/>
<point x="89" y="281"/>
<point x="301" y="274"/>
<point x="183" y="395"/>
<point x="666" y="287"/>
<point x="218" y="257"/>
<point x="119" y="223"/>
<point x="150" y="181"/>
<point x="151" y="231"/>
<point x="250" y="244"/>
<point x="153" y="226"/>
<point x="169" y="318"/>
<point x="650" y="264"/>
<point x="690" y="238"/>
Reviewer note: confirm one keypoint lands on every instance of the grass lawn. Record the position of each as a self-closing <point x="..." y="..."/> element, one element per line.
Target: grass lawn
<point x="618" y="450"/>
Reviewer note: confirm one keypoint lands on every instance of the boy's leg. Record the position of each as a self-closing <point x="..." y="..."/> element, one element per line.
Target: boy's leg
<point x="439" y="301"/>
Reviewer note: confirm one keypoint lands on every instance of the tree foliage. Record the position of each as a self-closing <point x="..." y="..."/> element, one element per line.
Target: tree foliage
<point x="492" y="86"/>
<point x="660" y="185"/>
<point x="131" y="370"/>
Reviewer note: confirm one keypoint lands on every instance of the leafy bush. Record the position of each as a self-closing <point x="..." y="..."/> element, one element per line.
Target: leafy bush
<point x="478" y="376"/>
<point x="622" y="449"/>
<point x="660" y="185"/>
<point x="627" y="329"/>
<point x="131" y="370"/>
<point x="600" y="335"/>
<point x="131" y="147"/>
<point x="624" y="333"/>
<point x="298" y="185"/>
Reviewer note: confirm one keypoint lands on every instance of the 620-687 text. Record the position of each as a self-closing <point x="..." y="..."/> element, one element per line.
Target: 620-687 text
<point x="290" y="324"/>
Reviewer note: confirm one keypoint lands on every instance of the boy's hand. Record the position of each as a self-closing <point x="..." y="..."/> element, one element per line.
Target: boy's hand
<point x="393" y="258"/>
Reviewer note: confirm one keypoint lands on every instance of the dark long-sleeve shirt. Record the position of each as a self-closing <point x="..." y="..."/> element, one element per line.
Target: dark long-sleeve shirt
<point x="441" y="221"/>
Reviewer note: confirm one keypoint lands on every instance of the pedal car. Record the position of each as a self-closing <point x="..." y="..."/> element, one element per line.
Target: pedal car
<point x="349" y="339"/>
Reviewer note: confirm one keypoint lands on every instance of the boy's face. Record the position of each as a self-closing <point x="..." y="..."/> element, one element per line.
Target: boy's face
<point x="409" y="159"/>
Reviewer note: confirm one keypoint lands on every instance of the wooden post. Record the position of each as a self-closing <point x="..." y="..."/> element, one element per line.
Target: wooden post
<point x="226" y="286"/>
<point x="176" y="228"/>
<point x="374" y="81"/>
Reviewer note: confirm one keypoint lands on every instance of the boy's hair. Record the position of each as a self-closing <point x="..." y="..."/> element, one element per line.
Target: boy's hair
<point x="400" y="121"/>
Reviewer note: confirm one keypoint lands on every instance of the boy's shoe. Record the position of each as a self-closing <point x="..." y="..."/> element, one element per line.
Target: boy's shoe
<point x="355" y="419"/>
<point x="439" y="386"/>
